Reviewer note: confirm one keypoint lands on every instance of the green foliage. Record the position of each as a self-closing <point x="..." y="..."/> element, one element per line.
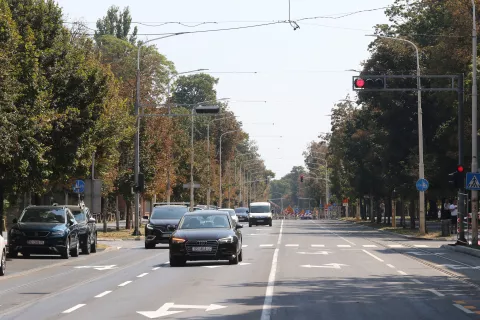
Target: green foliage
<point x="117" y="23"/>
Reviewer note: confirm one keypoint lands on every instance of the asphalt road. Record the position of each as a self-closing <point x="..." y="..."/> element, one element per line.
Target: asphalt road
<point x="293" y="270"/>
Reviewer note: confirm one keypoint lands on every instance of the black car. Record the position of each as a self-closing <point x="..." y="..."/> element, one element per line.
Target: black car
<point x="87" y="228"/>
<point x="206" y="235"/>
<point x="44" y="229"/>
<point x="162" y="222"/>
<point x="242" y="214"/>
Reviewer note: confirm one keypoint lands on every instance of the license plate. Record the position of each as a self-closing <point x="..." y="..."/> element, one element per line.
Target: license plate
<point x="202" y="249"/>
<point x="260" y="220"/>
<point x="166" y="235"/>
<point x="37" y="242"/>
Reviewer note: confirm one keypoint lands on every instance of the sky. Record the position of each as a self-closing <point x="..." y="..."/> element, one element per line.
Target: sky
<point x="282" y="84"/>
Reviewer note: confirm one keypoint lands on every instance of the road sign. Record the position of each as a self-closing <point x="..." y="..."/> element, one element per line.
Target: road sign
<point x="79" y="186"/>
<point x="422" y="185"/>
<point x="473" y="181"/>
<point x="164" y="310"/>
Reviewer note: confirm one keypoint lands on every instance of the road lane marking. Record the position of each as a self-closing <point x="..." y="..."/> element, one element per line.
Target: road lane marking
<point x="344" y="246"/>
<point x="435" y="292"/>
<point x="267" y="303"/>
<point x="156" y="268"/>
<point x="124" y="284"/>
<point x="244" y="245"/>
<point x="103" y="294"/>
<point x="369" y="246"/>
<point x="317" y="245"/>
<point x="395" y="246"/>
<point x="401" y="272"/>
<point x="372" y="255"/>
<point x="142" y="275"/>
<point x="420" y="245"/>
<point x="291" y="245"/>
<point x="335" y="234"/>
<point x="391" y="266"/>
<point x="78" y="306"/>
<point x="417" y="281"/>
<point x="463" y="308"/>
<point x="266" y="245"/>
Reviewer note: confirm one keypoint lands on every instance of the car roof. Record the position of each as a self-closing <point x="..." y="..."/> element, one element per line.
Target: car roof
<point x="170" y="205"/>
<point x="211" y="212"/>
<point x="45" y="207"/>
<point x="260" y="204"/>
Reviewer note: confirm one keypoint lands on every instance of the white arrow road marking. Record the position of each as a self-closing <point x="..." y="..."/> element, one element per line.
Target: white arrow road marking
<point x="318" y="252"/>
<point x="101" y="268"/>
<point x="78" y="306"/>
<point x="328" y="266"/>
<point x="164" y="310"/>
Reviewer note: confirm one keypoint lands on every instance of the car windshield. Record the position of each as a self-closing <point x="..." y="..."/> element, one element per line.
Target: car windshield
<point x="165" y="213"/>
<point x="45" y="215"/>
<point x="79" y="215"/>
<point x="230" y="211"/>
<point x="204" y="221"/>
<point x="259" y="209"/>
<point x="241" y="210"/>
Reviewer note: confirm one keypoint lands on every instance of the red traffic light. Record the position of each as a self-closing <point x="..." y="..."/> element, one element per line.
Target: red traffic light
<point x="460" y="168"/>
<point x="301" y="178"/>
<point x="359" y="83"/>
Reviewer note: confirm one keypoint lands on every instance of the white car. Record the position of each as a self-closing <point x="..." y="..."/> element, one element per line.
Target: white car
<point x="3" y="256"/>
<point x="232" y="214"/>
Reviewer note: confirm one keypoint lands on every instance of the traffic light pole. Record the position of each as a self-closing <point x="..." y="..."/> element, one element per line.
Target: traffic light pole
<point x="461" y="192"/>
<point x="474" y="197"/>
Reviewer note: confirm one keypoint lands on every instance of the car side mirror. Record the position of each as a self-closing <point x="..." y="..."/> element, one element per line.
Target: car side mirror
<point x="70" y="223"/>
<point x="92" y="220"/>
<point x="15" y="220"/>
<point x="171" y="228"/>
<point x="239" y="226"/>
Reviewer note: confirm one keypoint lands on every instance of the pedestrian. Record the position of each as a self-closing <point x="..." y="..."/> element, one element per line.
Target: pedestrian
<point x="382" y="212"/>
<point x="454" y="215"/>
<point x="446" y="210"/>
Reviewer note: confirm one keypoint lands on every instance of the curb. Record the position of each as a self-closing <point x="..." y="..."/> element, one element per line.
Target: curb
<point x="398" y="234"/>
<point x="462" y="249"/>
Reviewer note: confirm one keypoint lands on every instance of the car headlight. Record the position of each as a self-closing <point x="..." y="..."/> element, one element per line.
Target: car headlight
<point x="150" y="226"/>
<point x="178" y="240"/>
<point x="16" y="232"/>
<point x="57" y="233"/>
<point x="228" y="239"/>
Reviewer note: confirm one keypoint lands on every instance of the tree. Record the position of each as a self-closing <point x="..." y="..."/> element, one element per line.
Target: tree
<point x="117" y="23"/>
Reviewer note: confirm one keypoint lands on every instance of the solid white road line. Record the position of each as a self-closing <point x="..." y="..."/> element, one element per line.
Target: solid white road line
<point x="142" y="275"/>
<point x="401" y="272"/>
<point x="317" y="245"/>
<point x="417" y="281"/>
<point x="372" y="255"/>
<point x="78" y="306"/>
<point x="291" y="245"/>
<point x="436" y="292"/>
<point x="266" y="245"/>
<point x="369" y="246"/>
<point x="391" y="266"/>
<point x="267" y="304"/>
<point x="344" y="246"/>
<point x="103" y="294"/>
<point x="420" y="245"/>
<point x="463" y="308"/>
<point x="124" y="284"/>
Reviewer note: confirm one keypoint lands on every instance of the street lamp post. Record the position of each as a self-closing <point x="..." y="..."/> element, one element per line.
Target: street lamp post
<point x="220" y="204"/>
<point x="474" y="126"/>
<point x="422" y="228"/>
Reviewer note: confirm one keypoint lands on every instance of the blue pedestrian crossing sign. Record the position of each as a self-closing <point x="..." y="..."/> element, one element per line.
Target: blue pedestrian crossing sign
<point x="422" y="185"/>
<point x="473" y="181"/>
<point x="79" y="186"/>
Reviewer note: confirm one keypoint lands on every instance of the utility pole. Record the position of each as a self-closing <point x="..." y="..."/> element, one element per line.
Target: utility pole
<point x="191" y="164"/>
<point x="136" y="231"/>
<point x="474" y="128"/>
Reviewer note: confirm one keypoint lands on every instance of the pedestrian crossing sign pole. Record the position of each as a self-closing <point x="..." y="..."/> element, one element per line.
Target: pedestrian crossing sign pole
<point x="473" y="181"/>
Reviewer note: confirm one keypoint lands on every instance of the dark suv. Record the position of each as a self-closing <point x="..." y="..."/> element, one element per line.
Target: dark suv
<point x="87" y="228"/>
<point x="242" y="214"/>
<point x="163" y="221"/>
<point x="44" y="230"/>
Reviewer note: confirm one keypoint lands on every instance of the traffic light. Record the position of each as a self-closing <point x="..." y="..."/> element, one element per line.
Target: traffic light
<point x="301" y="178"/>
<point x="457" y="178"/>
<point x="207" y="109"/>
<point x="368" y="83"/>
<point x="141" y="183"/>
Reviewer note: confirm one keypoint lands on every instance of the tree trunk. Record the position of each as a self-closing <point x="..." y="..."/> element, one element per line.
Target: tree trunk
<point x="128" y="217"/>
<point x="371" y="210"/>
<point x="401" y="212"/>
<point x="388" y="211"/>
<point x="117" y="214"/>
<point x="104" y="213"/>
<point x="2" y="210"/>
<point x="412" y="214"/>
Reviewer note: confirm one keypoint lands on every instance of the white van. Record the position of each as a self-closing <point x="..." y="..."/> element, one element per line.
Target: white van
<point x="260" y="213"/>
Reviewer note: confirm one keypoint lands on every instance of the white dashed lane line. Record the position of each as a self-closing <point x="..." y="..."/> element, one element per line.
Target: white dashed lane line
<point x="391" y="266"/>
<point x="401" y="272"/>
<point x="372" y="255"/>
<point x="124" y="284"/>
<point x="369" y="246"/>
<point x="291" y="245"/>
<point x="417" y="281"/>
<point x="462" y="308"/>
<point x="317" y="245"/>
<point x="142" y="275"/>
<point x="436" y="292"/>
<point x="156" y="268"/>
<point x="395" y="246"/>
<point x="78" y="306"/>
<point x="266" y="245"/>
<point x="103" y="294"/>
<point x="344" y="246"/>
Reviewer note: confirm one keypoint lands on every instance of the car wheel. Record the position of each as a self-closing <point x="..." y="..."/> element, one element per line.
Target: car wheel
<point x="87" y="248"/>
<point x="249" y="224"/>
<point x="270" y="224"/>
<point x="76" y="250"/>
<point x="234" y="260"/>
<point x="12" y="253"/>
<point x="66" y="251"/>
<point x="93" y="249"/>
<point x="3" y="263"/>
<point x="240" y="256"/>
<point x="26" y="254"/>
<point x="177" y="262"/>
<point x="149" y="245"/>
